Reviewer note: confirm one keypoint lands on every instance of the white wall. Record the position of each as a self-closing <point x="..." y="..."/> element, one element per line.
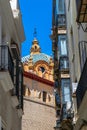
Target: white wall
<point x="13" y="4"/>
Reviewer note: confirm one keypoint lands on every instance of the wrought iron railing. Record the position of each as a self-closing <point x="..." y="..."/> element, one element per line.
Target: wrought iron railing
<point x="6" y="61"/>
<point x="19" y="83"/>
<point x="15" y="70"/>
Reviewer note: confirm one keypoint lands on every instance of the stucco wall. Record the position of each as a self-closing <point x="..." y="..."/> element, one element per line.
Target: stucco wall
<point x="38" y="116"/>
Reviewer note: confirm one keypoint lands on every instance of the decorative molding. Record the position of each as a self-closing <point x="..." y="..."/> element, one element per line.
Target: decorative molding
<point x="37" y="78"/>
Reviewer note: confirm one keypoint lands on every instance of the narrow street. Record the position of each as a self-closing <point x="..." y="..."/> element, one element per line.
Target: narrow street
<point x="43" y="65"/>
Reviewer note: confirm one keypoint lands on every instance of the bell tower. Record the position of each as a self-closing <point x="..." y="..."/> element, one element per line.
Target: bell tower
<point x="35" y="49"/>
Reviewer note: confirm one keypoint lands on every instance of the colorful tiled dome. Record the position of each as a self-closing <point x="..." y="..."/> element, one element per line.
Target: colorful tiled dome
<point x="36" y="58"/>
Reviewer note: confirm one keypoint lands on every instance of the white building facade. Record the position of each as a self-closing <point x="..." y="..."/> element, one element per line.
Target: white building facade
<point x="11" y="74"/>
<point x="77" y="43"/>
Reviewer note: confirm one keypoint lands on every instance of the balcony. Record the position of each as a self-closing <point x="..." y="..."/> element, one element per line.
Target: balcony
<point x="11" y="74"/>
<point x="18" y="82"/>
<point x="6" y="68"/>
<point x="61" y="20"/>
<point x="81" y="11"/>
<point x="63" y="63"/>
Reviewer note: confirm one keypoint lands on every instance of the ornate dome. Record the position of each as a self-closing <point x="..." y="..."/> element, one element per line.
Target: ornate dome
<point x="36" y="58"/>
<point x="38" y="63"/>
<point x="35" y="54"/>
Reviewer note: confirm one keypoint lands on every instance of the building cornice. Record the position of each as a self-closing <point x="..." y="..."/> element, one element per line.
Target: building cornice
<point x="37" y="78"/>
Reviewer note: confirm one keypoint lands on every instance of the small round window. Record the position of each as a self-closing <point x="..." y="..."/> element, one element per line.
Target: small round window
<point x="42" y="69"/>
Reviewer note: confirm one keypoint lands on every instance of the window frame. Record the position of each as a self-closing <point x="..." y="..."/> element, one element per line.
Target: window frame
<point x="62" y="11"/>
<point x="63" y="93"/>
<point x="44" y="96"/>
<point x="60" y="37"/>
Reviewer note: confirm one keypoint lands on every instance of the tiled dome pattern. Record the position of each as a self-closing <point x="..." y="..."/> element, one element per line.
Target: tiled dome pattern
<point x="37" y="57"/>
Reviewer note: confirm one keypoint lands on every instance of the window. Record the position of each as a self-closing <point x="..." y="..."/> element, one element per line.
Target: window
<point x="83" y="53"/>
<point x="65" y="83"/>
<point x="62" y="45"/>
<point x="44" y="96"/>
<point x="60" y="6"/>
<point x="64" y="63"/>
<point x="42" y="69"/>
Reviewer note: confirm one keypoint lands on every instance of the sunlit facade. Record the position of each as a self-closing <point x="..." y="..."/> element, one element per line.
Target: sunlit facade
<point x="39" y="99"/>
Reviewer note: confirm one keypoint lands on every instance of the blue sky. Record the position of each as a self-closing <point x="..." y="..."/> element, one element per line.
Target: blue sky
<point x="37" y="14"/>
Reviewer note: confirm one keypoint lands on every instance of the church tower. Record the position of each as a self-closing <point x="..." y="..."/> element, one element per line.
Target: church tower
<point x="38" y="63"/>
<point x="39" y="99"/>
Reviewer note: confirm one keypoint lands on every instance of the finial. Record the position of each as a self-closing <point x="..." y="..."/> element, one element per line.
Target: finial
<point x="35" y="33"/>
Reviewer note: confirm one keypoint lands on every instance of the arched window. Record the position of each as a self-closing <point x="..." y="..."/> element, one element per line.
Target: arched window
<point x="42" y="69"/>
<point x="44" y="96"/>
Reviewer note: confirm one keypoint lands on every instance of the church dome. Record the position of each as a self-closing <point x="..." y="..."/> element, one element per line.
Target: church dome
<point x="38" y="63"/>
<point x="36" y="54"/>
<point x="36" y="58"/>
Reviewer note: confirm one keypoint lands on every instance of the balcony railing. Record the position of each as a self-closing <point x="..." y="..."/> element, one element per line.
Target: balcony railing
<point x="18" y="82"/>
<point x="6" y="61"/>
<point x="15" y="71"/>
<point x="81" y="10"/>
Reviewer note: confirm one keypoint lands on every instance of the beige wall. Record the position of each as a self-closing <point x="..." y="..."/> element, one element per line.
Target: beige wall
<point x="38" y="115"/>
